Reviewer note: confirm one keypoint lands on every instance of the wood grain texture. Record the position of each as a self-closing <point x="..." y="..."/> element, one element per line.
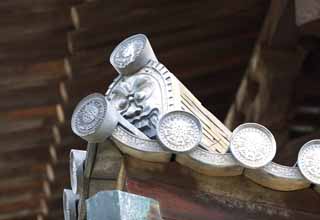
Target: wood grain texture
<point x="184" y="194"/>
<point x="259" y="98"/>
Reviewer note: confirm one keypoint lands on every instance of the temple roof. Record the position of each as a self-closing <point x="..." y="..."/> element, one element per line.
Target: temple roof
<point x="55" y="52"/>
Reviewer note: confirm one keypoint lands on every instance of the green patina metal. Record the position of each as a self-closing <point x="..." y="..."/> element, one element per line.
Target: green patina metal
<point x="118" y="205"/>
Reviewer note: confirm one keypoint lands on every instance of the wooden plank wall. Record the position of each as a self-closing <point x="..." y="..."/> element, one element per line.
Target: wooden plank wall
<point x="33" y="45"/>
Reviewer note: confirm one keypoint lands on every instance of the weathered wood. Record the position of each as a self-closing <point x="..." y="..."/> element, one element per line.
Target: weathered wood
<point x="11" y="190"/>
<point x="33" y="186"/>
<point x="76" y="90"/>
<point x="18" y="6"/>
<point x="108" y="162"/>
<point x="22" y="215"/>
<point x="57" y="186"/>
<point x="200" y="67"/>
<point x="91" y="155"/>
<point x="288" y="154"/>
<point x="279" y="29"/>
<point x="20" y="203"/>
<point x="62" y="131"/>
<point x="49" y="46"/>
<point x="53" y="215"/>
<point x="213" y="129"/>
<point x="304" y="116"/>
<point x="307" y="11"/>
<point x="306" y="89"/>
<point x="10" y="125"/>
<point x="275" y="61"/>
<point x="16" y="27"/>
<point x="31" y="74"/>
<point x="70" y="90"/>
<point x="193" y="56"/>
<point x="43" y="95"/>
<point x="92" y="14"/>
<point x="105" y="70"/>
<point x="78" y="40"/>
<point x="86" y="58"/>
<point x="180" y="190"/>
<point x="26" y="139"/>
<point x="311" y="29"/>
<point x="167" y="41"/>
<point x="47" y="112"/>
<point x="36" y="154"/>
<point x="55" y="202"/>
<point x="102" y="168"/>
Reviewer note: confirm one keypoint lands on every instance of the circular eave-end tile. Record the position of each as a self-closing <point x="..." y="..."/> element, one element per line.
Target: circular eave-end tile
<point x="309" y="161"/>
<point x="132" y="54"/>
<point x="253" y="145"/>
<point x="179" y="131"/>
<point x="93" y="119"/>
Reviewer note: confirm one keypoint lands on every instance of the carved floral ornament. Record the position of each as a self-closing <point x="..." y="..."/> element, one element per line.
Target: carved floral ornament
<point x="149" y="114"/>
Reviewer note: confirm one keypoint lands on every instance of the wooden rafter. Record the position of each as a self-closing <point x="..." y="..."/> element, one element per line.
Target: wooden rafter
<point x="265" y="92"/>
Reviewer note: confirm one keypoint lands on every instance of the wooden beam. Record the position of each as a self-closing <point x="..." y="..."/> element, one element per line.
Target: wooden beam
<point x="93" y="14"/>
<point x="162" y="43"/>
<point x="31" y="74"/>
<point x="43" y="112"/>
<point x="26" y="139"/>
<point x="265" y="93"/>
<point x="307" y="12"/>
<point x="289" y="152"/>
<point x="79" y="39"/>
<point x="8" y="125"/>
<point x="42" y="95"/>
<point x="19" y="6"/>
<point x="19" y="207"/>
<point x="34" y="186"/>
<point x="49" y="46"/>
<point x="35" y="154"/>
<point x="17" y="27"/>
<point x="194" y="196"/>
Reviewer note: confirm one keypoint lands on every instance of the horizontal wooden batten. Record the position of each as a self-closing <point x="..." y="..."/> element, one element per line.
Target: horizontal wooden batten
<point x="22" y="215"/>
<point x="161" y="43"/>
<point x="16" y="27"/>
<point x="49" y="46"/>
<point x="79" y="39"/>
<point x="32" y="74"/>
<point x="41" y="170"/>
<point x="41" y="112"/>
<point x="75" y="90"/>
<point x="18" y="6"/>
<point x="93" y="14"/>
<point x="23" y="204"/>
<point x="35" y="187"/>
<point x="38" y="154"/>
<point x="26" y="139"/>
<point x="8" y="126"/>
<point x="31" y="97"/>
